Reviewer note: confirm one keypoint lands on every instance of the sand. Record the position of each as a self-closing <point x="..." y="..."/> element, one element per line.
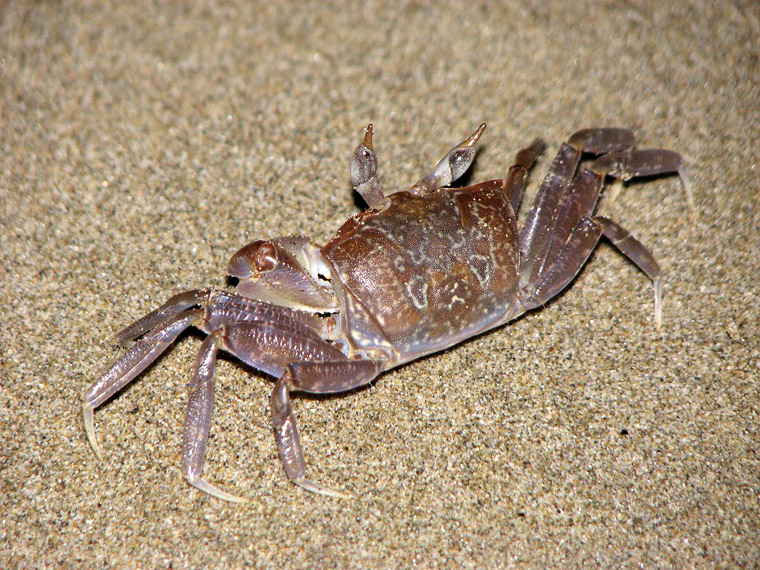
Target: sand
<point x="142" y="145"/>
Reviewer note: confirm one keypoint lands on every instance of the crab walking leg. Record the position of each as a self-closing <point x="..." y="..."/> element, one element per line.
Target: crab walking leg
<point x="450" y="167"/>
<point x="268" y="344"/>
<point x="534" y="236"/>
<point x="313" y="378"/>
<point x="578" y="201"/>
<point x="131" y="364"/>
<point x="563" y="270"/>
<point x="601" y="141"/>
<point x="537" y="234"/>
<point x="633" y="163"/>
<point x="174" y="306"/>
<point x="580" y="244"/>
<point x="560" y="234"/>
<point x="517" y="177"/>
<point x="647" y="162"/>
<point x="637" y="252"/>
<point x="198" y="418"/>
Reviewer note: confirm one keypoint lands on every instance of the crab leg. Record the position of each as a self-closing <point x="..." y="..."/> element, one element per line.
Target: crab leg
<point x="198" y="418"/>
<point x="560" y="233"/>
<point x="637" y="252"/>
<point x="580" y="244"/>
<point x="648" y="162"/>
<point x="535" y="234"/>
<point x="313" y="378"/>
<point x="601" y="141"/>
<point x="266" y="336"/>
<point x="633" y="163"/>
<point x="267" y="344"/>
<point x="174" y="306"/>
<point x="131" y="364"/>
<point x="551" y="205"/>
<point x="517" y="177"/>
<point x="578" y="201"/>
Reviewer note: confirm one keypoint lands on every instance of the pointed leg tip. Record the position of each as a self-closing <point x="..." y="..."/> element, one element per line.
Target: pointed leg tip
<point x="207" y="487"/>
<point x="89" y="428"/>
<point x="339" y="495"/>
<point x="313" y="487"/>
<point x="658" y="305"/>
<point x="688" y="191"/>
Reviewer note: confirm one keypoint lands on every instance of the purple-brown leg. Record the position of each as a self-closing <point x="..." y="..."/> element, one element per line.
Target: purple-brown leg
<point x="625" y="165"/>
<point x="163" y="326"/>
<point x="198" y="417"/>
<point x="581" y="243"/>
<point x="561" y="233"/>
<point x="313" y="378"/>
<point x="268" y="345"/>
<point x="550" y="220"/>
<point x="174" y="306"/>
<point x="637" y="252"/>
<point x="517" y="177"/>
<point x="265" y="336"/>
<point x="131" y="364"/>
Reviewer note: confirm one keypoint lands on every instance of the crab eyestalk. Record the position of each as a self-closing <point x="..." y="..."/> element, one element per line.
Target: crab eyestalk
<point x="452" y="166"/>
<point x="364" y="173"/>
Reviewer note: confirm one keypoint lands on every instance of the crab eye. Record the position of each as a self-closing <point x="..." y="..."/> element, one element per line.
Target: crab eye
<point x="460" y="160"/>
<point x="266" y="257"/>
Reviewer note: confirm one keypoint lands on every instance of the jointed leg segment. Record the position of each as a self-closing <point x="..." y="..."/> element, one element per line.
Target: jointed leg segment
<point x="517" y="177"/>
<point x="561" y="232"/>
<point x="131" y="364"/>
<point x="271" y="338"/>
<point x="313" y="378"/>
<point x="198" y="417"/>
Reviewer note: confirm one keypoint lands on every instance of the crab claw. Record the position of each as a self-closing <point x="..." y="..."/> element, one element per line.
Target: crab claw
<point x="269" y="272"/>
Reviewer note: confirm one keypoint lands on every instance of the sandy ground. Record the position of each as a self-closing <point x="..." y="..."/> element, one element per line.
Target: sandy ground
<point x="142" y="145"/>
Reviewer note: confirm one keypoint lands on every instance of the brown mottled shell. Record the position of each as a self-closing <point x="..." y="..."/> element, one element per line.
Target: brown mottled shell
<point x="429" y="270"/>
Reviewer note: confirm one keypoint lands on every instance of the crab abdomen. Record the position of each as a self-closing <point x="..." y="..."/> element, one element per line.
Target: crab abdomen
<point x="428" y="271"/>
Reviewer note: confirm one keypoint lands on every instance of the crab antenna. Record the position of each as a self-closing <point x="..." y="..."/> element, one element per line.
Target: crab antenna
<point x="452" y="166"/>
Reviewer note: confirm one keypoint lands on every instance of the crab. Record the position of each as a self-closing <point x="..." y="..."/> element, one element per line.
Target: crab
<point x="419" y="271"/>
